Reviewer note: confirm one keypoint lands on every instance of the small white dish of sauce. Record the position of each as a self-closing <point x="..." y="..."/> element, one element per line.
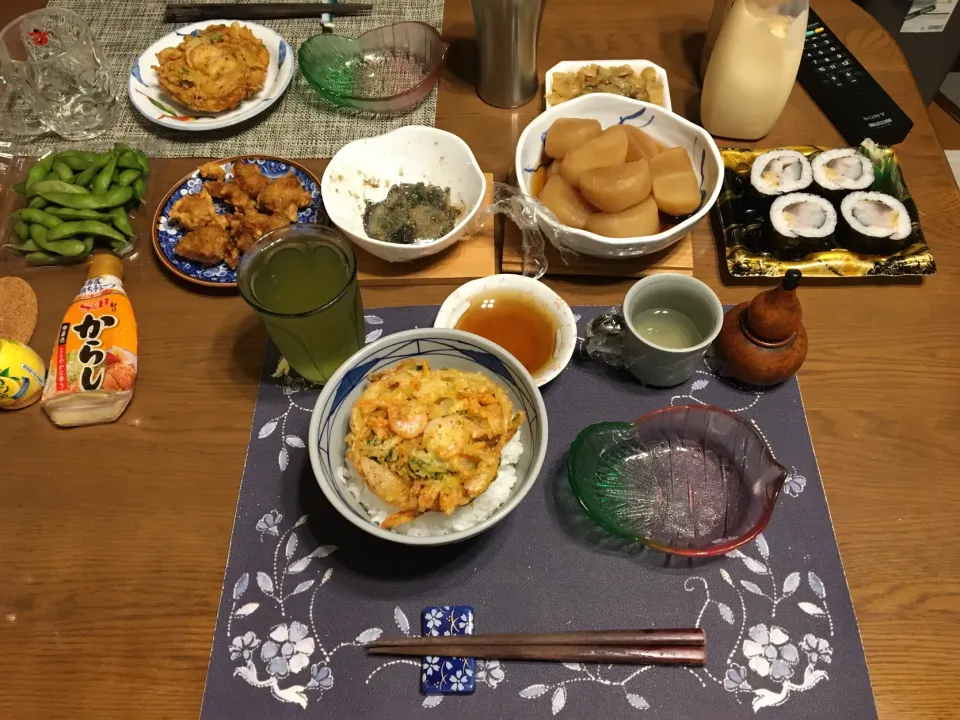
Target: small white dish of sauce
<point x="523" y="316"/>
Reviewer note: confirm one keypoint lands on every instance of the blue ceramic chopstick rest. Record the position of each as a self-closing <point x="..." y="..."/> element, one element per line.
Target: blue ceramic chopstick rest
<point x="448" y="675"/>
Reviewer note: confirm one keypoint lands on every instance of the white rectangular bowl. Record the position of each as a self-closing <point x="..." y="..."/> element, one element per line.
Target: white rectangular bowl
<point x="637" y="65"/>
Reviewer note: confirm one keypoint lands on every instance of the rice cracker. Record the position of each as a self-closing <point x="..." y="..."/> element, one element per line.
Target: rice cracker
<point x="18" y="309"/>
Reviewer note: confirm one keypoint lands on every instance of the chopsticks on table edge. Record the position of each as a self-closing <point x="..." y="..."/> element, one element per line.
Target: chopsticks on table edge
<point x="637" y="647"/>
<point x="186" y="12"/>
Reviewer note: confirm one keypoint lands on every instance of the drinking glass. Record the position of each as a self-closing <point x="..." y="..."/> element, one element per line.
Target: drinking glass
<point x="302" y="282"/>
<point x="53" y="77"/>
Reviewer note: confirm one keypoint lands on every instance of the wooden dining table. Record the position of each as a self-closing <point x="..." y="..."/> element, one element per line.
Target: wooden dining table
<point x="113" y="538"/>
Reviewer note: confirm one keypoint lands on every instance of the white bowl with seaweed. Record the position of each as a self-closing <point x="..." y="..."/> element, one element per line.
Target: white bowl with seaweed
<point x="363" y="172"/>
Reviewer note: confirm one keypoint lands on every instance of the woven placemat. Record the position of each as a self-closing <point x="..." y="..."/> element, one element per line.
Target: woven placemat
<point x="300" y="125"/>
<point x="304" y="589"/>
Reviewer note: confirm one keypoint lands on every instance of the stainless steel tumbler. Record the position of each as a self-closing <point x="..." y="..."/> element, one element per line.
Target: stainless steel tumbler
<point x="507" y="35"/>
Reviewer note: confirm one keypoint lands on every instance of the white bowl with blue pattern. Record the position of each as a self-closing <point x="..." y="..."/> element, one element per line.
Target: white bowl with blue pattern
<point x="167" y="232"/>
<point x="663" y="126"/>
<point x="442" y="348"/>
<point x="156" y="105"/>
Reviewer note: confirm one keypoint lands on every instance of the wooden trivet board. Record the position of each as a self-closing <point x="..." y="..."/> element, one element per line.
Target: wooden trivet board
<point x="678" y="258"/>
<point x="473" y="257"/>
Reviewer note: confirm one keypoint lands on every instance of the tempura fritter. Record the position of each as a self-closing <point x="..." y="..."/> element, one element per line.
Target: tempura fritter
<point x="216" y="69"/>
<point x="284" y="196"/>
<point x="208" y="245"/>
<point x="196" y="210"/>
<point x="250" y="178"/>
<point x="427" y="439"/>
<point x="249" y="226"/>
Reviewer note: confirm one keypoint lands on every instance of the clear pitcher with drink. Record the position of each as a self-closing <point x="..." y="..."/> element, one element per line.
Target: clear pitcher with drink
<point x="750" y="62"/>
<point x="53" y="77"/>
<point x="302" y="282"/>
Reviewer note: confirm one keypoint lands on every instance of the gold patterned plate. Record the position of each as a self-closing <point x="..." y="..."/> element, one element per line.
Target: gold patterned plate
<point x="744" y="225"/>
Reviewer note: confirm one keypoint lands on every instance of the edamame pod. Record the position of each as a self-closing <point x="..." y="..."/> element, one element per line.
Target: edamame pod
<point x="26" y="246"/>
<point x="101" y="183"/>
<point x="109" y="199"/>
<point x="121" y="222"/>
<point x="57" y="186"/>
<point x="86" y="177"/>
<point x="139" y="189"/>
<point x="127" y="177"/>
<point x="83" y="227"/>
<point x="71" y="214"/>
<point x="22" y="231"/>
<point x="37" y="217"/>
<point x="86" y="155"/>
<point x="129" y="160"/>
<point x="40" y="258"/>
<point x="39" y="234"/>
<point x="74" y="162"/>
<point x="20" y="187"/>
<point x="63" y="172"/>
<point x="40" y="169"/>
<point x="37" y="202"/>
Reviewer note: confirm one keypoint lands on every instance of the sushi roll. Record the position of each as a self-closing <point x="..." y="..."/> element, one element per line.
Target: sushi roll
<point x="779" y="172"/>
<point x="838" y="172"/>
<point x="802" y="224"/>
<point x="875" y="223"/>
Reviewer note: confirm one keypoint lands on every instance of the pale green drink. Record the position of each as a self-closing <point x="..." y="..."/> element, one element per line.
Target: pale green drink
<point x="302" y="282"/>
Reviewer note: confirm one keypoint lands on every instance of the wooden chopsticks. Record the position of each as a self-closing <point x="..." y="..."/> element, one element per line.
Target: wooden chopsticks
<point x="181" y="13"/>
<point x="633" y="647"/>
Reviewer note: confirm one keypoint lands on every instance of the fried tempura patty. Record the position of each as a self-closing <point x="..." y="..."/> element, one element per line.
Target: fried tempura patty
<point x="215" y="70"/>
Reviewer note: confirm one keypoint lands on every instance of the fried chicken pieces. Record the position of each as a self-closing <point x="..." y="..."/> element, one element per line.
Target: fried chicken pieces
<point x="208" y="245"/>
<point x="196" y="211"/>
<point x="216" y="238"/>
<point x="216" y="69"/>
<point x="284" y="196"/>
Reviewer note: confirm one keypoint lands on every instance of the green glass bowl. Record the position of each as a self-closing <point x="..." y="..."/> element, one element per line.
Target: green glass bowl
<point x="387" y="70"/>
<point x="688" y="480"/>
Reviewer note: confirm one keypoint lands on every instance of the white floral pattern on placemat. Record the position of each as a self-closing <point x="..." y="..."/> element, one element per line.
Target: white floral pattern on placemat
<point x="778" y="615"/>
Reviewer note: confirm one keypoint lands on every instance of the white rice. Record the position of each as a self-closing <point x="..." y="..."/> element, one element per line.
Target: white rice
<point x="876" y="215"/>
<point x="842" y="169"/>
<point x="437" y="523"/>
<point x="803" y="215"/>
<point x="778" y="172"/>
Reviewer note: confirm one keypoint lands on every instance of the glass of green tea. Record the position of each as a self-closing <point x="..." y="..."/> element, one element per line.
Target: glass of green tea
<point x="302" y="282"/>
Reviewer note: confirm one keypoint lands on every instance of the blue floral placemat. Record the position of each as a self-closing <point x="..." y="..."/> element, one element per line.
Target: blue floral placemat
<point x="305" y="590"/>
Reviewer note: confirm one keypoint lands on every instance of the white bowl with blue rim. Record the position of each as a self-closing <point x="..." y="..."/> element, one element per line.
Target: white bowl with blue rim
<point x="167" y="232"/>
<point x="156" y="105"/>
<point x="663" y="126"/>
<point x="442" y="348"/>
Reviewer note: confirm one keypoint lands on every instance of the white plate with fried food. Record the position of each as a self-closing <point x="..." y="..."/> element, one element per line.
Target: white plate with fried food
<point x="212" y="216"/>
<point x="210" y="75"/>
<point x="428" y="436"/>
<point x="637" y="79"/>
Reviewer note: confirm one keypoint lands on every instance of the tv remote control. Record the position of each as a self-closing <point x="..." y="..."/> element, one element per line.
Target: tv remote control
<point x="848" y="95"/>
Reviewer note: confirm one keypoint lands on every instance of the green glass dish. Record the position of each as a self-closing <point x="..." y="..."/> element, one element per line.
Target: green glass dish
<point x="387" y="70"/>
<point x="692" y="480"/>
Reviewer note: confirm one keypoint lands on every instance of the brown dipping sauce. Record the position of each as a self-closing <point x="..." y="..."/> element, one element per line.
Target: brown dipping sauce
<point x="514" y="323"/>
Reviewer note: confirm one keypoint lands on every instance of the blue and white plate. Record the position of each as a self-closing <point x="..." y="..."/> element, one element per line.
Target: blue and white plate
<point x="167" y="232"/>
<point x="153" y="102"/>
